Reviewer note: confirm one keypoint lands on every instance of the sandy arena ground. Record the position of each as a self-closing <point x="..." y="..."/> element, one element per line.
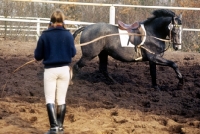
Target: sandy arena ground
<point x="94" y="106"/>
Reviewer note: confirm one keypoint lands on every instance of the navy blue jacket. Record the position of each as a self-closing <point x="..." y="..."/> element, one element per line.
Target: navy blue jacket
<point x="56" y="47"/>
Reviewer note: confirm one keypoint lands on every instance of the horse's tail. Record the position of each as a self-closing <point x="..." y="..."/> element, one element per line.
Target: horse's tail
<point x="78" y="31"/>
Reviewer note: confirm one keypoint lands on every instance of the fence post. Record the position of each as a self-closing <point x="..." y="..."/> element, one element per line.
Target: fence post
<point x="112" y="15"/>
<point x="38" y="29"/>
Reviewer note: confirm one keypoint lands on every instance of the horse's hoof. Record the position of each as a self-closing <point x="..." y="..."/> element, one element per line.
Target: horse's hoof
<point x="156" y="87"/>
<point x="111" y="80"/>
<point x="75" y="69"/>
<point x="180" y="86"/>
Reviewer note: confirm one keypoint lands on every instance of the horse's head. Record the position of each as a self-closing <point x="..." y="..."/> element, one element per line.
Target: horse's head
<point x="175" y="28"/>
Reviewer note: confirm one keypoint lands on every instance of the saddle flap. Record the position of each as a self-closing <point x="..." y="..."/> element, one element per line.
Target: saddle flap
<point x="124" y="26"/>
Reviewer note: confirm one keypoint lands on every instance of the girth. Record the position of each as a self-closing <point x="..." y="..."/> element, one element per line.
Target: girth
<point x="134" y="26"/>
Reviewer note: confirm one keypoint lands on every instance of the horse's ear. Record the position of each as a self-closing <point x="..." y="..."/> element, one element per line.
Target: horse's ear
<point x="180" y="16"/>
<point x="174" y="22"/>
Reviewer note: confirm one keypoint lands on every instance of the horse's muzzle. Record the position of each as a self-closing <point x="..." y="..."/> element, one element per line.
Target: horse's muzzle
<point x="177" y="46"/>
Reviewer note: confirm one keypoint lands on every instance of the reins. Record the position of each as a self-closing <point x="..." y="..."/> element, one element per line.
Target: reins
<point x="101" y="37"/>
<point x="165" y="40"/>
<point x="169" y="40"/>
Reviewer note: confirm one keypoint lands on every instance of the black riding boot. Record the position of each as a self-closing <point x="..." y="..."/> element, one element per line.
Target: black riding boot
<point x="61" y="110"/>
<point x="52" y="119"/>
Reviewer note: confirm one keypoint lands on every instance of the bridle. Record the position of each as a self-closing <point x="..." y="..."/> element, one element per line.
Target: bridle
<point x="175" y="27"/>
<point x="171" y="27"/>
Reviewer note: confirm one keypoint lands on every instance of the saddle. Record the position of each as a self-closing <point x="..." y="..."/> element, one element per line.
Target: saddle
<point x="128" y="27"/>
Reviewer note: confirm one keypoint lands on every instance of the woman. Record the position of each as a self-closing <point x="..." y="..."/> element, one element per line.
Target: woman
<point x="56" y="48"/>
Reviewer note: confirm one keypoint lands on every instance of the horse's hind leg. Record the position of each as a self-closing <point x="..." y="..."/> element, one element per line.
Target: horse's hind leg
<point x="103" y="62"/>
<point x="81" y="63"/>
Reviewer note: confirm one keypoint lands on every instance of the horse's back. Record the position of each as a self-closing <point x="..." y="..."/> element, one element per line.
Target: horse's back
<point x="111" y="45"/>
<point x="96" y="30"/>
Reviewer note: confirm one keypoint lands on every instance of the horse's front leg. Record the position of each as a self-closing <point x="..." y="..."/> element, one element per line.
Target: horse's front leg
<point x="161" y="61"/>
<point x="152" y="66"/>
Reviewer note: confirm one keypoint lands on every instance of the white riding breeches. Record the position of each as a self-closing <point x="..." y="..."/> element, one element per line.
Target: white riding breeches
<point x="56" y="82"/>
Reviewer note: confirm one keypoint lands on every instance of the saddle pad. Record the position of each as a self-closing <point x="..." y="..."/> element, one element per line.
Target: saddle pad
<point x="124" y="39"/>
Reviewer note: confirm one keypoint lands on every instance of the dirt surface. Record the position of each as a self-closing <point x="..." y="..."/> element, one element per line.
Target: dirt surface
<point x="94" y="106"/>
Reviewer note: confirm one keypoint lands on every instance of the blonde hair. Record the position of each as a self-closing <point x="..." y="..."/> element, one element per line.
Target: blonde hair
<point x="57" y="17"/>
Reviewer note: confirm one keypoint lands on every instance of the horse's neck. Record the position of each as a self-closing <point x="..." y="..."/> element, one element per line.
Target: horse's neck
<point x="158" y="28"/>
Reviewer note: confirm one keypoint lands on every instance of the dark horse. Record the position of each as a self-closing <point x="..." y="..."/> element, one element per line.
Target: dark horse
<point x="149" y="43"/>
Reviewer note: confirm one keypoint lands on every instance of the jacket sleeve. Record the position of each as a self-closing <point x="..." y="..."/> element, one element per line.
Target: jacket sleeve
<point x="39" y="51"/>
<point x="73" y="49"/>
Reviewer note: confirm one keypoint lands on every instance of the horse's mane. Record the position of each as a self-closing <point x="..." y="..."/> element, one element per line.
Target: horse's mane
<point x="161" y="13"/>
